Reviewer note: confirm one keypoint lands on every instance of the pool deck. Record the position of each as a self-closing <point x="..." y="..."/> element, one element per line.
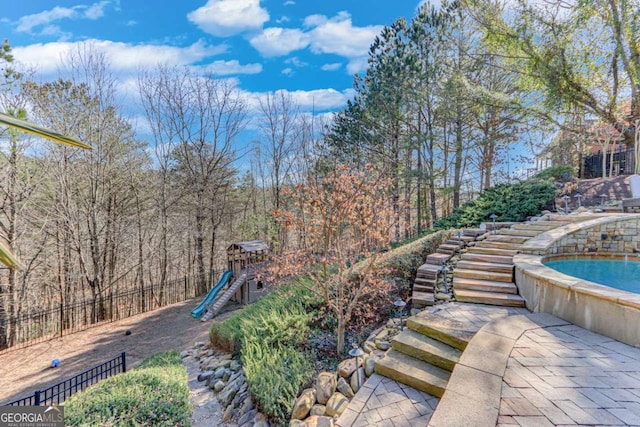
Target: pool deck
<point x="518" y="370"/>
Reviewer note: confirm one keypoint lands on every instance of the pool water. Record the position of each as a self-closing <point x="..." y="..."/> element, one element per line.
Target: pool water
<point x="616" y="273"/>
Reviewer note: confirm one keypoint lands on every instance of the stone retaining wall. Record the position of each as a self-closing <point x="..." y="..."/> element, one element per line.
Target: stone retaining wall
<point x="602" y="309"/>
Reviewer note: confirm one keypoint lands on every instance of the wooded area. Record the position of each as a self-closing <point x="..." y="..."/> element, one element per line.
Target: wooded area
<point x="445" y="96"/>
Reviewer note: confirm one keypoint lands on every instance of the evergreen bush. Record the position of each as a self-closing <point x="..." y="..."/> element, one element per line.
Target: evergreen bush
<point x="155" y="393"/>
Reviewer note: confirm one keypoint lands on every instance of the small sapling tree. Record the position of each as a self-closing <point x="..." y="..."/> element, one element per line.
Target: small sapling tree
<point x="338" y="223"/>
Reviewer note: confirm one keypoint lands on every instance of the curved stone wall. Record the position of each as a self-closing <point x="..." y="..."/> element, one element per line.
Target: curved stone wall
<point x="602" y="309"/>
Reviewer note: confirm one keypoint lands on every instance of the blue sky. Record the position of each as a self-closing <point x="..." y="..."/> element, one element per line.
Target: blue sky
<point x="310" y="48"/>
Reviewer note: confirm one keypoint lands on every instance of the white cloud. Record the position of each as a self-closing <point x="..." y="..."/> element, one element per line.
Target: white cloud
<point x="289" y="3"/>
<point x="225" y="68"/>
<point x="315" y="20"/>
<point x="123" y="57"/>
<point x="282" y="20"/>
<point x="278" y="41"/>
<point x="96" y="10"/>
<point x="296" y="62"/>
<point x="308" y="100"/>
<point x="338" y="36"/>
<point x="323" y="35"/>
<point x="321" y="99"/>
<point x="287" y="71"/>
<point x="28" y="22"/>
<point x="357" y="65"/>
<point x="224" y="18"/>
<point x="331" y="67"/>
<point x="92" y="12"/>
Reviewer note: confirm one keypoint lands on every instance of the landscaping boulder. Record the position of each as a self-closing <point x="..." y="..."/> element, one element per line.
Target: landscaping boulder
<point x="369" y="366"/>
<point x="345" y="388"/>
<point x="318" y="409"/>
<point x="297" y="423"/>
<point x="303" y="404"/>
<point x="325" y="386"/>
<point x="228" y="394"/>
<point x="260" y="421"/>
<point x="383" y="345"/>
<point x="355" y="384"/>
<point x="204" y="376"/>
<point x="337" y="404"/>
<point x="347" y="367"/>
<point x="317" y="421"/>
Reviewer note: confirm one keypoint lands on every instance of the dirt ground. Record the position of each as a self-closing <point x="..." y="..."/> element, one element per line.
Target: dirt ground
<point x="25" y="370"/>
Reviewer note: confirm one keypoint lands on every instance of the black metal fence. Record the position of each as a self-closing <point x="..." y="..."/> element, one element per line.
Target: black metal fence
<point x="43" y="324"/>
<point x="619" y="162"/>
<point x="57" y="393"/>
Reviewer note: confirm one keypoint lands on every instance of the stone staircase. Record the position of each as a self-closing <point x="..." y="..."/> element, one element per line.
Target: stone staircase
<point x="424" y="354"/>
<point x="427" y="275"/>
<point x="484" y="273"/>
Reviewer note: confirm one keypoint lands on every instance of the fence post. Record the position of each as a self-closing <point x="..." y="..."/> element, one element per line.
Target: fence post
<point x="124" y="362"/>
<point x="36" y="398"/>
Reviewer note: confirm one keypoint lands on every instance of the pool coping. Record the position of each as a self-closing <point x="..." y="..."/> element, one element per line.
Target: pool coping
<point x="593" y="306"/>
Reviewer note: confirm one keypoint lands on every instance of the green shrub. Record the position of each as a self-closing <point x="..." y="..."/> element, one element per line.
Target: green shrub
<point x="558" y="173"/>
<point x="275" y="375"/>
<point x="155" y="393"/>
<point x="509" y="202"/>
<point x="228" y="335"/>
<point x="268" y="335"/>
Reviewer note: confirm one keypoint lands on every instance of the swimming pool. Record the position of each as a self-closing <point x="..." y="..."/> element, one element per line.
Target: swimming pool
<point x="621" y="274"/>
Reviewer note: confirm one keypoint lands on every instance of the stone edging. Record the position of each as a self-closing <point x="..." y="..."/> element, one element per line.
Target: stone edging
<point x="472" y="396"/>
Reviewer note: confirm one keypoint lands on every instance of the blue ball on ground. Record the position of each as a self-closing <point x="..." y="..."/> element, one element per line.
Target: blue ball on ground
<point x="128" y="332"/>
<point x="55" y="363"/>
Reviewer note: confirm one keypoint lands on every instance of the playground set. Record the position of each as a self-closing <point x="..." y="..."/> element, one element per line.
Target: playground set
<point x="239" y="282"/>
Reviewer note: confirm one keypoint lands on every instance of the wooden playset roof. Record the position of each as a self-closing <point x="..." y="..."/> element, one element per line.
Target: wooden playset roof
<point x="249" y="246"/>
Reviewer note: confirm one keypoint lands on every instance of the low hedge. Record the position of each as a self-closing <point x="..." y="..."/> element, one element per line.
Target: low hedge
<point x="402" y="262"/>
<point x="268" y="336"/>
<point x="155" y="393"/>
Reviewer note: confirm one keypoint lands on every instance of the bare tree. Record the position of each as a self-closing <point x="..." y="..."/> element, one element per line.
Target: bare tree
<point x="202" y="117"/>
<point x="280" y="128"/>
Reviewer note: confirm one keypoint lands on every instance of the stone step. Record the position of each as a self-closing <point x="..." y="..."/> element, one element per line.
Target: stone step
<point x="413" y="372"/>
<point x="489" y="250"/>
<point x="518" y="232"/>
<point x="473" y="232"/>
<point x="540" y="226"/>
<point x="428" y="271"/>
<point x="422" y="299"/>
<point x="484" y="285"/>
<point x="483" y="275"/>
<point x="455" y="242"/>
<point x="422" y="288"/>
<point x="564" y="219"/>
<point x="467" y="239"/>
<point x="449" y="331"/>
<point x="438" y="258"/>
<point x="485" y="266"/>
<point x="426" y="349"/>
<point x="498" y="245"/>
<point x="480" y="257"/>
<point x="425" y="282"/>
<point x="492" y="298"/>
<point x="448" y="249"/>
<point x="505" y="239"/>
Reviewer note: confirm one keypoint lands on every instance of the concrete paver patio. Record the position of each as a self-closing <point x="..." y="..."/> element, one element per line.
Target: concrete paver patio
<point x="567" y="375"/>
<point x="518" y="370"/>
